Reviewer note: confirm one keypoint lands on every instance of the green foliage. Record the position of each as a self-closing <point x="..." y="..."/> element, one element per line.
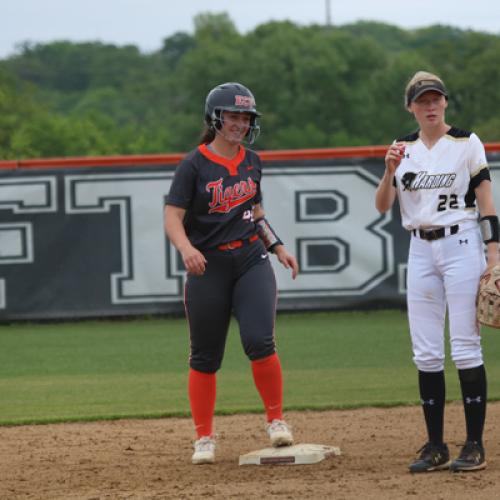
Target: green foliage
<point x="174" y="48"/>
<point x="17" y="108"/>
<point x="214" y="27"/>
<point x="316" y="86"/>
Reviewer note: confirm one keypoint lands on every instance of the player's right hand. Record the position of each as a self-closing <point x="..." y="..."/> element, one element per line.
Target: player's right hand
<point x="194" y="260"/>
<point x="394" y="155"/>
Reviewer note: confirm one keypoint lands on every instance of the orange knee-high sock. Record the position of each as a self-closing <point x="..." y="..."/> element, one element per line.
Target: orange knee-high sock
<point x="202" y="392"/>
<point x="269" y="382"/>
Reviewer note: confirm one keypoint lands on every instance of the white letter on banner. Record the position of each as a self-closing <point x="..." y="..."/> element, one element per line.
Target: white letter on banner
<point x="326" y="216"/>
<point x="140" y="198"/>
<point x="22" y="195"/>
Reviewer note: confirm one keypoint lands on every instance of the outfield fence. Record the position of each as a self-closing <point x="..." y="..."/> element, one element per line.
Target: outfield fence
<point x="83" y="237"/>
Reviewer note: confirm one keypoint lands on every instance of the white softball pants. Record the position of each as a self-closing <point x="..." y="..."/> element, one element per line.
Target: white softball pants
<point x="442" y="273"/>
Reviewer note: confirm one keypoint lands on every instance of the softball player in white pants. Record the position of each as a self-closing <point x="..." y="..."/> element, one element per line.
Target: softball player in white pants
<point x="440" y="273"/>
<point x="438" y="174"/>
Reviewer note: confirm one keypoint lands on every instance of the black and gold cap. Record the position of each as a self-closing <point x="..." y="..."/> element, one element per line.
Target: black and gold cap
<point x="422" y="86"/>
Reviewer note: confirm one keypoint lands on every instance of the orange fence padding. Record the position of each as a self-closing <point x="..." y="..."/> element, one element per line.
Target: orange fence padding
<point x="174" y="158"/>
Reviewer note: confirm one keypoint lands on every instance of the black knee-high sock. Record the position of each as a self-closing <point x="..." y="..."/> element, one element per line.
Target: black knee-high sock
<point x="432" y="394"/>
<point x="473" y="384"/>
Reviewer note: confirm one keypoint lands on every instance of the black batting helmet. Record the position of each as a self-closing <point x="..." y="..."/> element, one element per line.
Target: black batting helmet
<point x="233" y="97"/>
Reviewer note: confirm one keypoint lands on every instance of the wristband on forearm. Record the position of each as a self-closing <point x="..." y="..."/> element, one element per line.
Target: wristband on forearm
<point x="267" y="234"/>
<point x="489" y="228"/>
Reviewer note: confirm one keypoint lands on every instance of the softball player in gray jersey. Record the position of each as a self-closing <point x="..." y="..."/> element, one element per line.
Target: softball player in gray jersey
<point x="214" y="218"/>
<point x="438" y="174"/>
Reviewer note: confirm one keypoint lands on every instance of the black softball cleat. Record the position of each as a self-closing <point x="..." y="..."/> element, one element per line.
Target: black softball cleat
<point x="432" y="457"/>
<point x="471" y="458"/>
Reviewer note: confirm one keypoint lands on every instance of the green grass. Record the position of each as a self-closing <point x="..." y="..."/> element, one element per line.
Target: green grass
<point x="138" y="368"/>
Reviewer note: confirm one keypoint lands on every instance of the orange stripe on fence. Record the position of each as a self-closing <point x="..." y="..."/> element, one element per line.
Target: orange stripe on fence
<point x="175" y="158"/>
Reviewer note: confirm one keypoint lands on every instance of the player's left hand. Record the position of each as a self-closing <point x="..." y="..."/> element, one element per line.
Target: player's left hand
<point x="287" y="259"/>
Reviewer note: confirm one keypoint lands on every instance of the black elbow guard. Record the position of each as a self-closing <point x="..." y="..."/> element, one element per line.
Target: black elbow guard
<point x="267" y="234"/>
<point x="489" y="228"/>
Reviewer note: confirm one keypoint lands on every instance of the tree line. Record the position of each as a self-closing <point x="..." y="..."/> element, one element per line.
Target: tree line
<point x="316" y="86"/>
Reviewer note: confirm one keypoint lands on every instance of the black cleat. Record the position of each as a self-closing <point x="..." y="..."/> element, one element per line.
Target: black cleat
<point x="432" y="457"/>
<point x="471" y="458"/>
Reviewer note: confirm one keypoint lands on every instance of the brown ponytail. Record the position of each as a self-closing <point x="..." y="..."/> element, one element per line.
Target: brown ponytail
<point x="208" y="135"/>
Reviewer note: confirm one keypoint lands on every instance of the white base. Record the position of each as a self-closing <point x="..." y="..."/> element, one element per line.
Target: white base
<point x="299" y="454"/>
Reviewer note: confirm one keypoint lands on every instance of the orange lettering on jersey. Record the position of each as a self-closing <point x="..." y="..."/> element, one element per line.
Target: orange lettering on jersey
<point x="225" y="199"/>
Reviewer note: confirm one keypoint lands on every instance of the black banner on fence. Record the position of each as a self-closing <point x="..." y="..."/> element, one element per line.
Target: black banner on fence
<point x="89" y="242"/>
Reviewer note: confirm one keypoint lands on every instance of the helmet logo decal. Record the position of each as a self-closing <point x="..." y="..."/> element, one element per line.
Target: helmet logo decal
<point x="244" y="101"/>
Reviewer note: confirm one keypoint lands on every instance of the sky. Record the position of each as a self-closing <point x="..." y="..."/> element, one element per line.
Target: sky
<point x="146" y="23"/>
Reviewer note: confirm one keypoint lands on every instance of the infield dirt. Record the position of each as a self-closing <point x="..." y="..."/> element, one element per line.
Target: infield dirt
<point x="150" y="459"/>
